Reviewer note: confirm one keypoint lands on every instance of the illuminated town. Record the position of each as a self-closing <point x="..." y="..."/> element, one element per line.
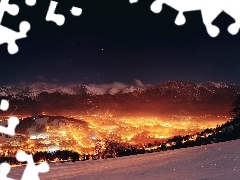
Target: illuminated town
<point x="62" y="134"/>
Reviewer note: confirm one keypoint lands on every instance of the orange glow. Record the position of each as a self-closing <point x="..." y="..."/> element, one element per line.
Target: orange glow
<point x="133" y="130"/>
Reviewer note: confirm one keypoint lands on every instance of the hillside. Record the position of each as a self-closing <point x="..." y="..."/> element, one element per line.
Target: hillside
<point x="37" y="125"/>
<point x="217" y="161"/>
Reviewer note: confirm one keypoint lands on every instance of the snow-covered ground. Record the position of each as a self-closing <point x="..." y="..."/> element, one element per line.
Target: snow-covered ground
<point x="219" y="161"/>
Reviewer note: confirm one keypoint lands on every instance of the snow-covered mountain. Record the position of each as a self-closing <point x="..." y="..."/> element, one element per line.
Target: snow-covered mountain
<point x="171" y="96"/>
<point x="181" y="87"/>
<point x="34" y="90"/>
<point x="210" y="84"/>
<point x="113" y="91"/>
<point x="129" y="89"/>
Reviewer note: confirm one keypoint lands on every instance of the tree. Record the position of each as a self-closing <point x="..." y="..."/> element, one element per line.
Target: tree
<point x="235" y="111"/>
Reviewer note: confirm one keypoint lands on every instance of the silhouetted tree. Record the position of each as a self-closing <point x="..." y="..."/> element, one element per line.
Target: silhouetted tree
<point x="235" y="111"/>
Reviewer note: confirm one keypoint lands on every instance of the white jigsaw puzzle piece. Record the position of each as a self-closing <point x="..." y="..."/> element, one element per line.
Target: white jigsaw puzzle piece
<point x="31" y="171"/>
<point x="8" y="35"/>
<point x="12" y="124"/>
<point x="133" y="1"/>
<point x="4" y="105"/>
<point x="210" y="10"/>
<point x="30" y="2"/>
<point x="76" y="11"/>
<point x="59" y="19"/>
<point x="12" y="9"/>
<point x="12" y="121"/>
<point x="4" y="170"/>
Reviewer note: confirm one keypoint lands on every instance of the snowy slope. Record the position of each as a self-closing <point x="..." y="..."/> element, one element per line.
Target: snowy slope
<point x="219" y="161"/>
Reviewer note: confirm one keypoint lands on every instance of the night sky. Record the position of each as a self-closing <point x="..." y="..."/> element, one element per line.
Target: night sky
<point x="118" y="41"/>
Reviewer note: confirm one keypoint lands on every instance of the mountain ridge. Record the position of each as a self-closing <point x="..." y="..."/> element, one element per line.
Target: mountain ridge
<point x="172" y="97"/>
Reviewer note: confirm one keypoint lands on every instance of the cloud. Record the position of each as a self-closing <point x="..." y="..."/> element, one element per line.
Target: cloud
<point x="106" y="87"/>
<point x="23" y="83"/>
<point x="149" y="85"/>
<point x="40" y="77"/>
<point x="139" y="83"/>
<point x="55" y="79"/>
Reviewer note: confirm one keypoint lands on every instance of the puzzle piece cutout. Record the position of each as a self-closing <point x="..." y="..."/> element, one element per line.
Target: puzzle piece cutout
<point x="31" y="171"/>
<point x="12" y="9"/>
<point x="133" y="1"/>
<point x="4" y="105"/>
<point x="12" y="121"/>
<point x="10" y="130"/>
<point x="210" y="10"/>
<point x="76" y="11"/>
<point x="59" y="19"/>
<point x="4" y="170"/>
<point x="8" y="35"/>
<point x="30" y="2"/>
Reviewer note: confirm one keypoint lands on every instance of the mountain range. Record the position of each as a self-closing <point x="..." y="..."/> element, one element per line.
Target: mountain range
<point x="171" y="97"/>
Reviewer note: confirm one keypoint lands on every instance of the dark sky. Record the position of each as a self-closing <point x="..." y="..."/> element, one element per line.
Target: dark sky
<point x="117" y="41"/>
